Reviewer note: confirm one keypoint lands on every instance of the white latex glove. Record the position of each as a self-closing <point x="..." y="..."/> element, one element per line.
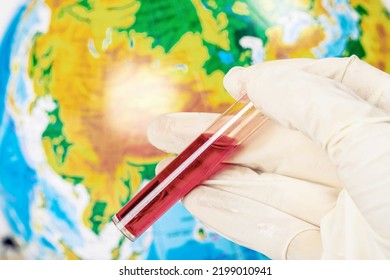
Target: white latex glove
<point x="315" y="181"/>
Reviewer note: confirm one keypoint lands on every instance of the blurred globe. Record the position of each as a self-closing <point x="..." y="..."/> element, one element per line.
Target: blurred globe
<point x="81" y="80"/>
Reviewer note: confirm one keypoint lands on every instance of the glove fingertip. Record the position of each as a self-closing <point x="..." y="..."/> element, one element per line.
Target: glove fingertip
<point x="233" y="81"/>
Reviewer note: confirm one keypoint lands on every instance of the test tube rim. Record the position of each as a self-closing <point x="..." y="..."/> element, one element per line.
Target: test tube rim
<point x="123" y="229"/>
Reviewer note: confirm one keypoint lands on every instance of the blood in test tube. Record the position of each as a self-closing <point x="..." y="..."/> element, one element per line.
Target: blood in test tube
<point x="202" y="167"/>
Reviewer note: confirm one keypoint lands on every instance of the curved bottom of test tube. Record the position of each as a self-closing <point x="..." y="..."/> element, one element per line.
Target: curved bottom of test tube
<point x="122" y="228"/>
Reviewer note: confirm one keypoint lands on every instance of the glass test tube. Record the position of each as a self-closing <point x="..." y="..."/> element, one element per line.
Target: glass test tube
<point x="198" y="162"/>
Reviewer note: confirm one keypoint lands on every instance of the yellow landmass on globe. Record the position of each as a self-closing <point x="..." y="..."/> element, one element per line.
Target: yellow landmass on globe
<point x="213" y="28"/>
<point x="108" y="85"/>
<point x="309" y="38"/>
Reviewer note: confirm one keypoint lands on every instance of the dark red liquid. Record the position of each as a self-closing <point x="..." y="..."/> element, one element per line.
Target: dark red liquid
<point x="203" y="167"/>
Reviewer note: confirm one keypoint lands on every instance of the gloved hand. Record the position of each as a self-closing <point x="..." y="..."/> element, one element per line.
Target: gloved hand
<point x="315" y="181"/>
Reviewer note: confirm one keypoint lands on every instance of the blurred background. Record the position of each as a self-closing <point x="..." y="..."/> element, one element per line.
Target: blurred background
<point x="81" y="80"/>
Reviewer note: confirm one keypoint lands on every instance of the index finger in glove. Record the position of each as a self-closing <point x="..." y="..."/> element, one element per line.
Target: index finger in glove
<point x="366" y="81"/>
